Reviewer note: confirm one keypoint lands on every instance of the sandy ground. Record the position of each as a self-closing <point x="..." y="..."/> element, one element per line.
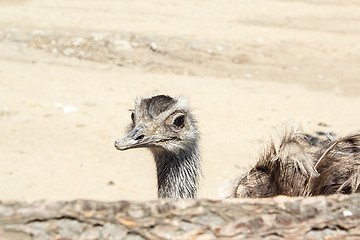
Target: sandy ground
<point x="70" y="70"/>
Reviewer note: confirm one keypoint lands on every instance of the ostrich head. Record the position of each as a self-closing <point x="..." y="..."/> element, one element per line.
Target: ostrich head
<point x="166" y="126"/>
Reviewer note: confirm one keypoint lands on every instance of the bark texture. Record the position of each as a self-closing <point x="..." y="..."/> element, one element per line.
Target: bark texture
<point x="331" y="217"/>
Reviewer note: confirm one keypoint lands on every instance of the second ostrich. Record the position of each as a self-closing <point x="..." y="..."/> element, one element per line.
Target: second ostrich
<point x="298" y="165"/>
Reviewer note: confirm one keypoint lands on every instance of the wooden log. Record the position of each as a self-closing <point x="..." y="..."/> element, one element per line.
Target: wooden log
<point x="323" y="217"/>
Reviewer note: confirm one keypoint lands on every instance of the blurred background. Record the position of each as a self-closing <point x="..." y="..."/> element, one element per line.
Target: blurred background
<point x="70" y="70"/>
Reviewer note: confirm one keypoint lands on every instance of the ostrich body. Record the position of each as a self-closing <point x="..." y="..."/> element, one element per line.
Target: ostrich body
<point x="298" y="165"/>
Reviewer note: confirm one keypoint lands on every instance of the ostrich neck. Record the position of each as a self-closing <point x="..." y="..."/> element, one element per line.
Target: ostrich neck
<point x="178" y="173"/>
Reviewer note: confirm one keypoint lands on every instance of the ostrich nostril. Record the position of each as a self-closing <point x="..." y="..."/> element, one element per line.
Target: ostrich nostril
<point x="138" y="138"/>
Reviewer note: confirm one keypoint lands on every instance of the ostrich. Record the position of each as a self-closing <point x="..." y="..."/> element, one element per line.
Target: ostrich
<point x="166" y="126"/>
<point x="299" y="165"/>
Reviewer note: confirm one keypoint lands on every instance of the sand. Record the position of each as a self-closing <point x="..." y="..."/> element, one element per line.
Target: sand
<point x="70" y="70"/>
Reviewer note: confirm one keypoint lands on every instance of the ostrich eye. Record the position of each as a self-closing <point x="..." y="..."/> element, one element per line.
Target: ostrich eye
<point x="133" y="117"/>
<point x="179" y="121"/>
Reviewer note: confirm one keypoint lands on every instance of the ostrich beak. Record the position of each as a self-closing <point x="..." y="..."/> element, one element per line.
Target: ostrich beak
<point x="135" y="139"/>
<point x="141" y="137"/>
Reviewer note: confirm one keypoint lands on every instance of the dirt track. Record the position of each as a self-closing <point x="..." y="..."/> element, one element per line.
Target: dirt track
<point x="69" y="71"/>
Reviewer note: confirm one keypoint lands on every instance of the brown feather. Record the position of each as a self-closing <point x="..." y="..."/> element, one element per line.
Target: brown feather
<point x="298" y="167"/>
